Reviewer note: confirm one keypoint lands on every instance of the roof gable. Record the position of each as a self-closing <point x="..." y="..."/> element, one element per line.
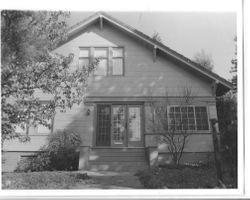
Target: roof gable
<point x="223" y="85"/>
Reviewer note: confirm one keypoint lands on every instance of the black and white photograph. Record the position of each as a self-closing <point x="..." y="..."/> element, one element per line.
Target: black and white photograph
<point x="121" y="100"/>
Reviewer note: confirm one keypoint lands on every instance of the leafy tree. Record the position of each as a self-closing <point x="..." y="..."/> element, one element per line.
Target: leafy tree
<point x="29" y="65"/>
<point x="204" y="60"/>
<point x="156" y="36"/>
<point x="227" y="115"/>
<point x="234" y="67"/>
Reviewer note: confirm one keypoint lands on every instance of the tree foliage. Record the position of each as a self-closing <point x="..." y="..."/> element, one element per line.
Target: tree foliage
<point x="176" y="135"/>
<point x="234" y="67"/>
<point x="227" y="116"/>
<point x="204" y="60"/>
<point x="30" y="66"/>
<point x="156" y="36"/>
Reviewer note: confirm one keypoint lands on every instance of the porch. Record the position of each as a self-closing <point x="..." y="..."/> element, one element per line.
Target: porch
<point x="113" y="159"/>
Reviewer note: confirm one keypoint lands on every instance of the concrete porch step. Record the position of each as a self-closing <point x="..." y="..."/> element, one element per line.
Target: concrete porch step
<point x="118" y="166"/>
<point x="117" y="159"/>
<point x="118" y="149"/>
<point x="120" y="158"/>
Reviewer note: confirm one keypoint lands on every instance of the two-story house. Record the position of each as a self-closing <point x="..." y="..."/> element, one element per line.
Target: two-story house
<point x="114" y="121"/>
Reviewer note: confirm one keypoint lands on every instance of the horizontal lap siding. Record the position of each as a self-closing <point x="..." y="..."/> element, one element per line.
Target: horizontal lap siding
<point x="77" y="120"/>
<point x="11" y="159"/>
<point x="195" y="143"/>
<point x="74" y="120"/>
<point x="141" y="72"/>
<point x="187" y="158"/>
<point x="35" y="143"/>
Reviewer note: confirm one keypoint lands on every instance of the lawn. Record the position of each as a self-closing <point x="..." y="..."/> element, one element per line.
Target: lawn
<point x="41" y="180"/>
<point x="183" y="177"/>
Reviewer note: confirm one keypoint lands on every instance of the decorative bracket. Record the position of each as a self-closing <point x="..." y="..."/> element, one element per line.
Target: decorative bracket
<point x="154" y="53"/>
<point x="214" y="87"/>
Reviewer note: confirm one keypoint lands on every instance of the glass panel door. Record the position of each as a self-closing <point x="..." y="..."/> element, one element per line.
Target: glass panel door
<point x="119" y="125"/>
<point x="134" y="126"/>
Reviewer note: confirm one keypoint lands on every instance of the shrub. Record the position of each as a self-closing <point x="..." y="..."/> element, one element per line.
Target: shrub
<point x="59" y="154"/>
<point x="62" y="150"/>
<point x="150" y="179"/>
<point x="227" y="115"/>
<point x="180" y="177"/>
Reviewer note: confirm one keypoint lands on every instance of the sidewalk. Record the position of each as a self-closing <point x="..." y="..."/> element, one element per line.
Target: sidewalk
<point x="109" y="180"/>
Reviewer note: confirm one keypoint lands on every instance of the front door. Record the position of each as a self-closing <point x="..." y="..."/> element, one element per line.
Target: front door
<point x="120" y="124"/>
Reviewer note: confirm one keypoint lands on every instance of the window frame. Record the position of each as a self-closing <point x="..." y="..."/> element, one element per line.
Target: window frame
<point x="123" y="61"/>
<point x="84" y="57"/>
<point x="189" y="131"/>
<point x="34" y="129"/>
<point x="92" y="57"/>
<point x="109" y="70"/>
<point x="117" y="103"/>
<point x="50" y="131"/>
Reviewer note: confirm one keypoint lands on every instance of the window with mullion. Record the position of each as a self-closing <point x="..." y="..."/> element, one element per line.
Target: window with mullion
<point x="201" y="118"/>
<point x="188" y="118"/>
<point x="34" y="129"/>
<point x="117" y="61"/>
<point x="102" y="67"/>
<point x="111" y="60"/>
<point x="84" y="57"/>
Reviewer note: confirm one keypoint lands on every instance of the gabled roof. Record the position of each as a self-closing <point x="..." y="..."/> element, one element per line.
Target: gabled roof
<point x="223" y="84"/>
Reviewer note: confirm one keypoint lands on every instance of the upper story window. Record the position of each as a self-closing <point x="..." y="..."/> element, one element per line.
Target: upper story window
<point x="102" y="55"/>
<point x="84" y="57"/>
<point x="111" y="60"/>
<point x="117" y="61"/>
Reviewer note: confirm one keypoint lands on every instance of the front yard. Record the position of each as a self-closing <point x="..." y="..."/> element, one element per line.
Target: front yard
<point x="42" y="180"/>
<point x="70" y="180"/>
<point x="184" y="177"/>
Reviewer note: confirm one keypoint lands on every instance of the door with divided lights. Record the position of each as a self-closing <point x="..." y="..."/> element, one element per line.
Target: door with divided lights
<point x="119" y="125"/>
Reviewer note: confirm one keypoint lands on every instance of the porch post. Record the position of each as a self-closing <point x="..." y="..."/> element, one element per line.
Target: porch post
<point x="152" y="156"/>
<point x="84" y="158"/>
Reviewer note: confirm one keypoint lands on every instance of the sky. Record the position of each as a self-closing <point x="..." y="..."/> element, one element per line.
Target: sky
<point x="185" y="32"/>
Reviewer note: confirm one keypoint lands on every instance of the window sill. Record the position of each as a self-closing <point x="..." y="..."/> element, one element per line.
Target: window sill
<point x="177" y="133"/>
<point x="109" y="76"/>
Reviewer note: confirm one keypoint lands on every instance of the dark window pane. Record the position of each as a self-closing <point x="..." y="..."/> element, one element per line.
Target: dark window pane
<point x="103" y="125"/>
<point x="201" y="118"/>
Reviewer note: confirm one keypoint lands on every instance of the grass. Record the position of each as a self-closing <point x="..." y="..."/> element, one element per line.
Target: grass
<point x="41" y="180"/>
<point x="183" y="177"/>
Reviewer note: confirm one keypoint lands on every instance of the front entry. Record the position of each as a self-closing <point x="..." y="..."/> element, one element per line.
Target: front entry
<point x="119" y="125"/>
